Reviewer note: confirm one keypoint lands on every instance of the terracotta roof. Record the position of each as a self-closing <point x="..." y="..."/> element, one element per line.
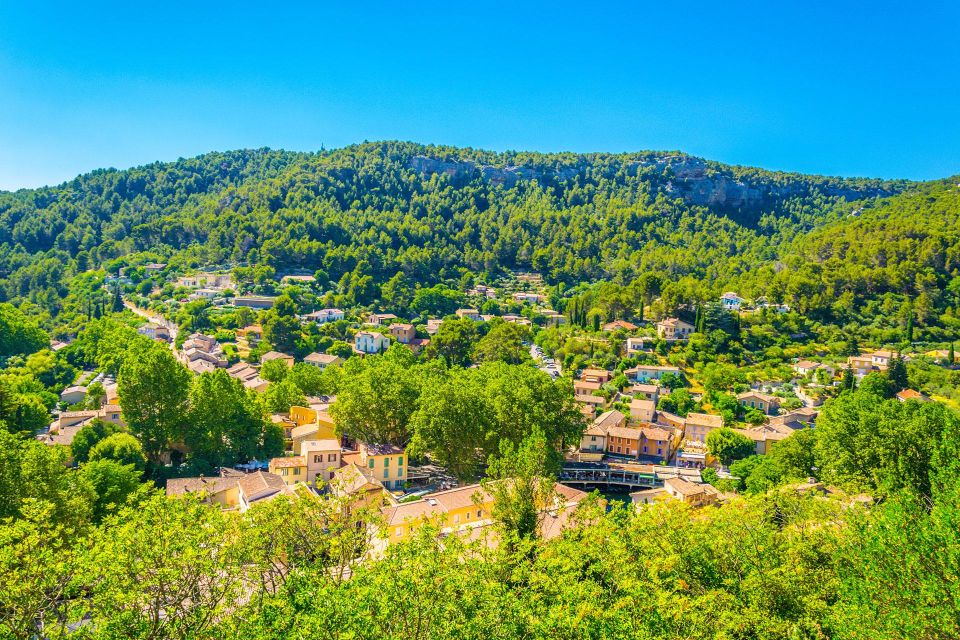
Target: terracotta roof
<point x="642" y="404"/>
<point x="288" y="462"/>
<point x="619" y="324"/>
<point x="654" y="433"/>
<point x="215" y="484"/>
<point x="766" y="397"/>
<point x="259" y="485"/>
<point x="351" y="479"/>
<point x="704" y="420"/>
<point x="628" y="433"/>
<point x="586" y="384"/>
<point x="684" y="487"/>
<point x="910" y="394"/>
<point x="606" y="420"/>
<point x="274" y="355"/>
<point x="321" y="358"/>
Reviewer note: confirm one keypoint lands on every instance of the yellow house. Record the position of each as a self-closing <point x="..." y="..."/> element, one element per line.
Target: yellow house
<point x="305" y="415"/>
<point x="465" y="509"/>
<point x="292" y="469"/>
<point x="385" y="463"/>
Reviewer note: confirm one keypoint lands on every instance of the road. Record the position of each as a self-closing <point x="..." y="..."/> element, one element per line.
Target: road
<point x="157" y="319"/>
<point x="546" y="365"/>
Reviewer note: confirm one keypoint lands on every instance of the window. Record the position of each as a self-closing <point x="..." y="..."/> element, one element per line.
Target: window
<point x="318" y="458"/>
<point x="386" y="462"/>
<point x="400" y="461"/>
<point x="593" y="438"/>
<point x="331" y="457"/>
<point x="283" y="472"/>
<point x="644" y="449"/>
<point x="659" y="452"/>
<point x="370" y="464"/>
<point x="456" y="519"/>
<point x="618" y="449"/>
<point x="479" y="513"/>
<point x="399" y="531"/>
<point x="296" y="471"/>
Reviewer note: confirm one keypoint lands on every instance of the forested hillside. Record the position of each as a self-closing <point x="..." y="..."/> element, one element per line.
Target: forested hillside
<point x="435" y="213"/>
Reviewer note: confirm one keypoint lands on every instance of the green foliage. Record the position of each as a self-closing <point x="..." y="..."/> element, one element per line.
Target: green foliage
<point x="274" y="370"/>
<point x="88" y="436"/>
<point x="153" y="389"/>
<point x="121" y="448"/>
<point x="19" y="335"/>
<point x="726" y="445"/>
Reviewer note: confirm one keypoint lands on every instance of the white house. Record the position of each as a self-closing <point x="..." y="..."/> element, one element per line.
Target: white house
<point x="73" y="395"/>
<point x="322" y="360"/>
<point x="674" y="329"/>
<point x="370" y="342"/>
<point x="731" y="301"/>
<point x="323" y="458"/>
<point x="324" y="316"/>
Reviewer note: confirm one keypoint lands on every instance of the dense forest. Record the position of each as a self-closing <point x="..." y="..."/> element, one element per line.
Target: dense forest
<point x="359" y="216"/>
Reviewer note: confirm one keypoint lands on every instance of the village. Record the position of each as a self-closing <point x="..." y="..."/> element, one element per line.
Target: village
<point x="642" y="440"/>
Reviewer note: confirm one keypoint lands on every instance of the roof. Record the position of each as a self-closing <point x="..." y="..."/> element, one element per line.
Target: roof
<point x="645" y="388"/>
<point x="324" y="444"/>
<point x="74" y="389"/>
<point x="62" y="436"/>
<point x="288" y="462"/>
<point x="592" y="371"/>
<point x="590" y="399"/>
<point x="651" y="367"/>
<point x="684" y="487"/>
<point x="705" y="420"/>
<point x="642" y="404"/>
<point x="586" y="384"/>
<point x="351" y="479"/>
<point x="403" y="326"/>
<point x="605" y="421"/>
<point x="757" y="394"/>
<point x="274" y="355"/>
<point x="910" y="394"/>
<point x="655" y="433"/>
<point x="304" y="430"/>
<point x="380" y="449"/>
<point x="806" y="364"/>
<point x="628" y="433"/>
<point x="215" y="484"/>
<point x="673" y="322"/>
<point x="321" y="358"/>
<point x="260" y="484"/>
<point x="619" y="324"/>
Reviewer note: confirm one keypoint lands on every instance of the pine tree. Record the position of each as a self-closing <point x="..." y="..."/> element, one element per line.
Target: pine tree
<point x="117" y="300"/>
<point x="950" y="355"/>
<point x="910" y="328"/>
<point x="849" y="382"/>
<point x="897" y="374"/>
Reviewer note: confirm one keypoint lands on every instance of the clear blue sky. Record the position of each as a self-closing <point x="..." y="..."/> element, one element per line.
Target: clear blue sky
<point x="846" y="88"/>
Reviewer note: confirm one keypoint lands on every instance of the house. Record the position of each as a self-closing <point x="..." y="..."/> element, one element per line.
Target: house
<point x="379" y="319"/>
<point x="593" y="402"/>
<point x="766" y="436"/>
<point x="619" y="324"/>
<point x="322" y="360"/>
<point x="765" y="402"/>
<point x="642" y="410"/>
<point x="731" y="301"/>
<point x="323" y="316"/>
<point x="655" y="442"/>
<point x="910" y="394"/>
<point x="526" y="296"/>
<point x="254" y="302"/>
<point x="417" y="345"/>
<point x="671" y="329"/>
<point x="231" y="490"/>
<point x="698" y="426"/>
<point x="403" y="332"/>
<point x="594" y="438"/>
<point x="154" y="331"/>
<point x="276" y="355"/>
<point x="647" y="372"/>
<point x="596" y="375"/>
<point x="802" y="418"/>
<point x="644" y="497"/>
<point x="623" y="441"/>
<point x="646" y="392"/>
<point x="207" y="280"/>
<point x="205" y="294"/>
<point x="370" y="342"/>
<point x="585" y="388"/>
<point x="636" y="346"/>
<point x="73" y="395"/>
<point x="552" y="318"/>
<point x="385" y="463"/>
<point x="520" y="320"/>
<point x="291" y="469"/>
<point x="362" y="489"/>
<point x="433" y="325"/>
<point x="697" y="495"/>
<point x="154" y="268"/>
<point x="323" y="458"/>
<point x="243" y="371"/>
<point x="467" y="511"/>
<point x="805" y="367"/>
<point x="869" y="362"/>
<point x="470" y="314"/>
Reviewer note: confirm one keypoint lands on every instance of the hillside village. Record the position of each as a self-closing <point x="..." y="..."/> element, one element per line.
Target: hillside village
<point x="647" y="420"/>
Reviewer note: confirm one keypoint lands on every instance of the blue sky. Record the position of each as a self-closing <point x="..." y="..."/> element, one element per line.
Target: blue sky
<point x="840" y="88"/>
